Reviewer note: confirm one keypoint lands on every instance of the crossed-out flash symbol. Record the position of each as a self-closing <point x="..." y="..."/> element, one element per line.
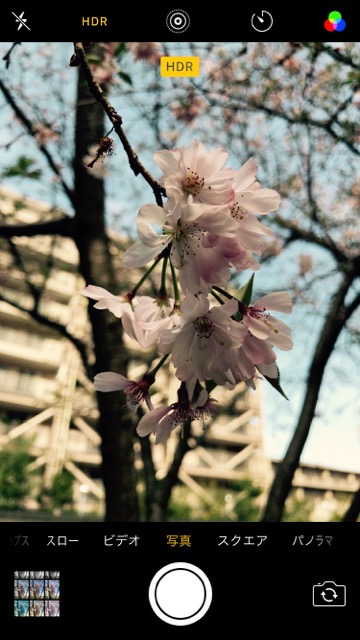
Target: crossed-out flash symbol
<point x="21" y="20"/>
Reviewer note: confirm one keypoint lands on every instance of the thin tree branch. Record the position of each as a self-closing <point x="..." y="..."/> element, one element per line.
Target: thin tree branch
<point x="32" y="131"/>
<point x="34" y="290"/>
<point x="299" y="233"/>
<point x="336" y="54"/>
<point x="62" y="227"/>
<point x="56" y="326"/>
<point x="116" y="121"/>
<point x="7" y="55"/>
<point x="303" y="119"/>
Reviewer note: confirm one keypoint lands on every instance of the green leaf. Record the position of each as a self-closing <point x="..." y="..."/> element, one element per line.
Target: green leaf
<point x="275" y="382"/>
<point x="245" y="293"/>
<point x="125" y="77"/>
<point x="120" y="49"/>
<point x="94" y="59"/>
<point x="24" y="167"/>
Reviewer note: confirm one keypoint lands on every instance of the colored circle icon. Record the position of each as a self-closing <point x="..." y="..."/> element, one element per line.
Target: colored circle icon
<point x="335" y="22"/>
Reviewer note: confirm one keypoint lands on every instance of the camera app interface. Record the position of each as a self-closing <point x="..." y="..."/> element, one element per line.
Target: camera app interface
<point x="179" y="315"/>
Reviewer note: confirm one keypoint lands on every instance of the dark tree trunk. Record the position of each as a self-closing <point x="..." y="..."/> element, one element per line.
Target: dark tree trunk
<point x="115" y="424"/>
<point x="353" y="511"/>
<point x="158" y="492"/>
<point x="334" y="322"/>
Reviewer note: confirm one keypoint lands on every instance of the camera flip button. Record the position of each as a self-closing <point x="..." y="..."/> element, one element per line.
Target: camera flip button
<point x="329" y="594"/>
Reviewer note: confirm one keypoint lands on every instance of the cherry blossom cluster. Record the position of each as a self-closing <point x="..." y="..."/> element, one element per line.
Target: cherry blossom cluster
<point x="206" y="231"/>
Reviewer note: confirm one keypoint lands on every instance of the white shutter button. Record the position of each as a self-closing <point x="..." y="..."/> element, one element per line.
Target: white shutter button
<point x="180" y="594"/>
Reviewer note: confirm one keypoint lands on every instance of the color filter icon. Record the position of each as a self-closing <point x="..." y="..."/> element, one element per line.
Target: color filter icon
<point x="335" y="22"/>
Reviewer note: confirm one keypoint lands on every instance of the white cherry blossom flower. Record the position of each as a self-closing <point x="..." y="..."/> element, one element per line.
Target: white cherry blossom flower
<point x="163" y="420"/>
<point x="183" y="234"/>
<point x="249" y="194"/>
<point x="265" y="326"/>
<point x="150" y="52"/>
<point x="150" y="317"/>
<point x="194" y="171"/>
<point x="136" y="392"/>
<point x="106" y="300"/>
<point x="207" y="227"/>
<point x="250" y="199"/>
<point x="204" y="335"/>
<point x="232" y="253"/>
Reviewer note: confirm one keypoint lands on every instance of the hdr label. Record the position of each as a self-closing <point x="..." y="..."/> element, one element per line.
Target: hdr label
<point x="93" y="21"/>
<point x="179" y="66"/>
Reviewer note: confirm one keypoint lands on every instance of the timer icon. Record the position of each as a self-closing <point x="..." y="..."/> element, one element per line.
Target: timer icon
<point x="262" y="21"/>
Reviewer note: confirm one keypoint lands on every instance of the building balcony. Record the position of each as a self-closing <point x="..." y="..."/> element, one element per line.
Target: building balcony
<point x="44" y="355"/>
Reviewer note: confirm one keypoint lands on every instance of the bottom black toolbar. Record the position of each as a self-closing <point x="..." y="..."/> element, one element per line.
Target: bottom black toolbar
<point x="172" y="575"/>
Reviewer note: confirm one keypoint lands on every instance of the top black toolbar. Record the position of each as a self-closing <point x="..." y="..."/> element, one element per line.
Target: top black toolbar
<point x="268" y="22"/>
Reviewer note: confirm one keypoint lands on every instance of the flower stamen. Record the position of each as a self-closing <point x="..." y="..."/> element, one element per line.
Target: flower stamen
<point x="193" y="183"/>
<point x="237" y="211"/>
<point x="204" y="327"/>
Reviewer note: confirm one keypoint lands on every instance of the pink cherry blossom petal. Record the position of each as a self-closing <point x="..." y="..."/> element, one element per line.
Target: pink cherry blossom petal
<point x="150" y="421"/>
<point x="110" y="381"/>
<point x="279" y="301"/>
<point x="138" y="255"/>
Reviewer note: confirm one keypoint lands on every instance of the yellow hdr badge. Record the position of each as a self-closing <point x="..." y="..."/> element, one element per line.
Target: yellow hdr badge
<point x="179" y="66"/>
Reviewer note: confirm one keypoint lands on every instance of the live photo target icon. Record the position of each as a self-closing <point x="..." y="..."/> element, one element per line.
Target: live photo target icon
<point x="177" y="20"/>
